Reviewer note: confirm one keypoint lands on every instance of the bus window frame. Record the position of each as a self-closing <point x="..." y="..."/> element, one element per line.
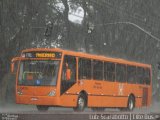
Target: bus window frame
<point x="110" y="63"/>
<point x="124" y="74"/>
<point x="140" y="76"/>
<point x="148" y="77"/>
<point x="135" y="76"/>
<point x="91" y="69"/>
<point x="102" y="69"/>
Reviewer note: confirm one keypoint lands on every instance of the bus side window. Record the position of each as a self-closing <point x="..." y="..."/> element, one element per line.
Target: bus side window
<point x="140" y="75"/>
<point x="121" y="73"/>
<point x="109" y="71"/>
<point x="97" y="70"/>
<point x="131" y="74"/>
<point x="147" y="76"/>
<point x="84" y="68"/>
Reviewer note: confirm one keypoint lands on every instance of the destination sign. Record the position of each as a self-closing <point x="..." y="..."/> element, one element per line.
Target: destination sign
<point x="43" y="55"/>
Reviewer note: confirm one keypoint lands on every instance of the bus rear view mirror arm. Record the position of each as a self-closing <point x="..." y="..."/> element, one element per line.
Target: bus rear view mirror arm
<point x="13" y="61"/>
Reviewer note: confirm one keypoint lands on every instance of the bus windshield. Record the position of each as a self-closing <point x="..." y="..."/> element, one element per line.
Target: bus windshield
<point x="38" y="72"/>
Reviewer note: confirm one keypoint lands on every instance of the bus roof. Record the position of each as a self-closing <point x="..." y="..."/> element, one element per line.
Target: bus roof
<point x="90" y="56"/>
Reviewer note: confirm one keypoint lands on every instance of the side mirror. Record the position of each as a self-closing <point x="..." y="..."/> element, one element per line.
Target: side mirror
<point x="12" y="67"/>
<point x="13" y="62"/>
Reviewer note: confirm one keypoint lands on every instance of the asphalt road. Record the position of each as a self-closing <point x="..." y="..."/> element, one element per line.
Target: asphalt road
<point x="29" y="112"/>
<point x="11" y="108"/>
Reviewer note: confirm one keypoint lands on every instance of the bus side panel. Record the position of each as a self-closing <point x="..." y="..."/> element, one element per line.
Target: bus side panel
<point x="104" y="94"/>
<point x="137" y="91"/>
<point x="114" y="97"/>
<point x="37" y="100"/>
<point x="115" y="101"/>
<point x="138" y="102"/>
<point x="69" y="97"/>
<point x="94" y="91"/>
<point x="69" y="100"/>
<point x="94" y="101"/>
<point x="142" y="94"/>
<point x="118" y="94"/>
<point x="106" y="101"/>
<point x="149" y="96"/>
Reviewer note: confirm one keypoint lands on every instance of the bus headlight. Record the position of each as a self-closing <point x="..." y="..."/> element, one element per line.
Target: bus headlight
<point x="52" y="93"/>
<point x="19" y="92"/>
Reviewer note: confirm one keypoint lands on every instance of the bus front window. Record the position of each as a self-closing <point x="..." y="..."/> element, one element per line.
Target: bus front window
<point x="38" y="73"/>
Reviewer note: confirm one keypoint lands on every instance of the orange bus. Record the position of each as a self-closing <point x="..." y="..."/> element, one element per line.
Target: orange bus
<point x="57" y="77"/>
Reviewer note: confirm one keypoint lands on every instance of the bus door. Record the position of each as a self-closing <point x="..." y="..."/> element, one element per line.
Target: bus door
<point x="68" y="78"/>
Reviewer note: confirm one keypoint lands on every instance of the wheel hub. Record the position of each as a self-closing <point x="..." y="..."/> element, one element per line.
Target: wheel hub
<point x="81" y="102"/>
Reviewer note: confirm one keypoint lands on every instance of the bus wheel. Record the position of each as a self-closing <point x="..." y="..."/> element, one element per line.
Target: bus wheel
<point x="42" y="108"/>
<point x="131" y="103"/>
<point x="81" y="103"/>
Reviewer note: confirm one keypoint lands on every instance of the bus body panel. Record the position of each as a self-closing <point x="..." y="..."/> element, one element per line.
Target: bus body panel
<point x="36" y="95"/>
<point x="38" y="100"/>
<point x="106" y="95"/>
<point x="100" y="93"/>
<point x="68" y="100"/>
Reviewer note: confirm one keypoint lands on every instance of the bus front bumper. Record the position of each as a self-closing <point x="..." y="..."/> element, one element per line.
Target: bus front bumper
<point x="37" y="100"/>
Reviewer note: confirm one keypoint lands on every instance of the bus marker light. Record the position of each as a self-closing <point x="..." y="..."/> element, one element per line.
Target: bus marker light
<point x="19" y="93"/>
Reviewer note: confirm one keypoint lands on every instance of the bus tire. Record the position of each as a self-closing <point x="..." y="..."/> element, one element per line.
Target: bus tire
<point x="81" y="103"/>
<point x="131" y="103"/>
<point x="42" y="108"/>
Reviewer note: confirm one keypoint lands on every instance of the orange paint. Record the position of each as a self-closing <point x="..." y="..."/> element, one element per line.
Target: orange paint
<point x="100" y="93"/>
